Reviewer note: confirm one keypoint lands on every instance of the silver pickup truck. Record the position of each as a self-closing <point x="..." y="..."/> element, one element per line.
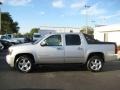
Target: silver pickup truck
<point x="62" y="48"/>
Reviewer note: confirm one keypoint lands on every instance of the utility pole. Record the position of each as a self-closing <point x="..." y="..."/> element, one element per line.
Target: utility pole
<point x="86" y="8"/>
<point x="0" y="15"/>
<point x="93" y="21"/>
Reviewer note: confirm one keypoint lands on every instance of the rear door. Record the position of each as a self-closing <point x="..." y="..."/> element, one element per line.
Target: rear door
<point x="73" y="49"/>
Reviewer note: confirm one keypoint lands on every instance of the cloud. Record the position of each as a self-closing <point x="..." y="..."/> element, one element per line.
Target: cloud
<point x="58" y="3"/>
<point x="2" y="1"/>
<point x="110" y="16"/>
<point x="42" y="13"/>
<point x="93" y="10"/>
<point x="78" y="5"/>
<point x="62" y="15"/>
<point x="19" y="2"/>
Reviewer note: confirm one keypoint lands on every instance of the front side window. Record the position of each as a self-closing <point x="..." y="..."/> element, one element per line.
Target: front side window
<point x="72" y="39"/>
<point x="54" y="40"/>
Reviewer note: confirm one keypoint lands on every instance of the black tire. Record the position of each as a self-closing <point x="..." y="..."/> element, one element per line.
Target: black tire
<point x="2" y="47"/>
<point x="12" y="43"/>
<point x="24" y="64"/>
<point x="95" y="64"/>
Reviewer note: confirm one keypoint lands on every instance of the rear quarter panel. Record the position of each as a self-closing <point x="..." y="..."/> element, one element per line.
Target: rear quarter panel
<point x="107" y="49"/>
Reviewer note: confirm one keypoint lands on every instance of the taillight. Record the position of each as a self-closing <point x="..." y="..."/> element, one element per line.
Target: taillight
<point x="116" y="49"/>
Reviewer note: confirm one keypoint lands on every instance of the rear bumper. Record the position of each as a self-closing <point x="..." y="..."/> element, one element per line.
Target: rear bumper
<point x="111" y="57"/>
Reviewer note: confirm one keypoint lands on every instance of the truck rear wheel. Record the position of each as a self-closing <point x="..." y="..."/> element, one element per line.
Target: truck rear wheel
<point x="24" y="63"/>
<point x="95" y="64"/>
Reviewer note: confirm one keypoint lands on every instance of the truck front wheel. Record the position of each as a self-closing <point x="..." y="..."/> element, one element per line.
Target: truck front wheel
<point x="24" y="63"/>
<point x="95" y="64"/>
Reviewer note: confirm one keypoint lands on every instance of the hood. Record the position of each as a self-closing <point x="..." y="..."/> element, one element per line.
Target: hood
<point x="22" y="45"/>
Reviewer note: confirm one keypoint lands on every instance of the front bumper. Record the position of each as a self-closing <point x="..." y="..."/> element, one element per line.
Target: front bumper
<point x="10" y="60"/>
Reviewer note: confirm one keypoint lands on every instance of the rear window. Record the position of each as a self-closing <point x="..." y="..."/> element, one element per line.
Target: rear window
<point x="90" y="39"/>
<point x="37" y="36"/>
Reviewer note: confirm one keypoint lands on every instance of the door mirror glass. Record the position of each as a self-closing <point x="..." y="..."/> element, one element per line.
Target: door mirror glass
<point x="43" y="43"/>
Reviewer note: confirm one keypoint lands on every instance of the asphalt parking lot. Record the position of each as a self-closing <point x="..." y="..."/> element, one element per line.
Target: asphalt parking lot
<point x="60" y="77"/>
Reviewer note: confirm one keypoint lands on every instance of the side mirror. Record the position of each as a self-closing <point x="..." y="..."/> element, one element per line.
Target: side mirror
<point x="43" y="43"/>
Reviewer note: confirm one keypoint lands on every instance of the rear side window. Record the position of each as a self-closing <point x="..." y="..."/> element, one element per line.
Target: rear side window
<point x="72" y="39"/>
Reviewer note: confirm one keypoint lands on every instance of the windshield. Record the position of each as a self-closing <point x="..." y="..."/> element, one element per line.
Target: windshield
<point x="5" y="37"/>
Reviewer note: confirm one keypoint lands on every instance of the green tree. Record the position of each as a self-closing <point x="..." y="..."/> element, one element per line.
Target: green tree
<point x="7" y="24"/>
<point x="27" y="35"/>
<point x="89" y="29"/>
<point x="34" y="30"/>
<point x="18" y="35"/>
<point x="30" y="34"/>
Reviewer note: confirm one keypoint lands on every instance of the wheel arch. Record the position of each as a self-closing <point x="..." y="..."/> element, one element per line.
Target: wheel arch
<point x="27" y="54"/>
<point x="100" y="54"/>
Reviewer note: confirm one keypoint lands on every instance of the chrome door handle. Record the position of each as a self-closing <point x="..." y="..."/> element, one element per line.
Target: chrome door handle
<point x="59" y="48"/>
<point x="79" y="48"/>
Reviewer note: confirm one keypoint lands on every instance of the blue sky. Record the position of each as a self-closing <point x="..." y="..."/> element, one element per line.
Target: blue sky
<point x="70" y="13"/>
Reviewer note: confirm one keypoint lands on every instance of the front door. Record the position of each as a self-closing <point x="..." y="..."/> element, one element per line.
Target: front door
<point x="52" y="51"/>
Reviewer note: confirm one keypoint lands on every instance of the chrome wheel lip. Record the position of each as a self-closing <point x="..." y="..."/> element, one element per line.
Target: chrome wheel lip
<point x="24" y="64"/>
<point x="96" y="64"/>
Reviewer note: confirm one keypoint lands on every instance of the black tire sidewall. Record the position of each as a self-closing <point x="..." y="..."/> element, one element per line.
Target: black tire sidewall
<point x="93" y="58"/>
<point x="2" y="47"/>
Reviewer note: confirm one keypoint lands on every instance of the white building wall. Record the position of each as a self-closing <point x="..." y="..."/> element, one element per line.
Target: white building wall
<point x="112" y="33"/>
<point x="114" y="37"/>
<point x="99" y="36"/>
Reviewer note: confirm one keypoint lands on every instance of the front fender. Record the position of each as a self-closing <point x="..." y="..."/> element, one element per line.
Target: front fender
<point x="25" y="51"/>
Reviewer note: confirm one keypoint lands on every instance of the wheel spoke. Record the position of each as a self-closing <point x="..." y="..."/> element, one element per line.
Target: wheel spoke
<point x="24" y="61"/>
<point x="93" y="67"/>
<point x="28" y="62"/>
<point x="99" y="63"/>
<point x="22" y="68"/>
<point x="27" y="67"/>
<point x="92" y="62"/>
<point x="21" y="64"/>
<point x="96" y="61"/>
